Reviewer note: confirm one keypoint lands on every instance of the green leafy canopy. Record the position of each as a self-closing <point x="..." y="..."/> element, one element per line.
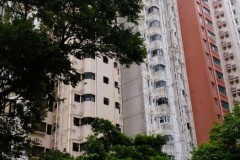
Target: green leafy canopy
<point x="33" y="58"/>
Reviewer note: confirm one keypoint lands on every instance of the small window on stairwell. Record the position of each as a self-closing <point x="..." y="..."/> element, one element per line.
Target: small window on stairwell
<point x="116" y="84"/>
<point x="76" y="121"/>
<point x="105" y="80"/>
<point x="105" y="101"/>
<point x="105" y="59"/>
<point x="117" y="106"/>
<point x="76" y="98"/>
<point x="115" y="64"/>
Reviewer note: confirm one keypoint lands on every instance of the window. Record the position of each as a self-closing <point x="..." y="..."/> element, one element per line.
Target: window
<point x="154" y="23"/>
<point x="76" y="121"/>
<point x="105" y="59"/>
<point x="158" y="67"/>
<point x="116" y="84"/>
<point x="50" y="104"/>
<point x="212" y="35"/>
<point x="225" y="104"/>
<point x="105" y="80"/>
<point x="88" y="55"/>
<point x="42" y="127"/>
<point x="168" y="137"/>
<point x="82" y="147"/>
<point x="222" y="89"/>
<point x="219" y="75"/>
<point x="206" y="11"/>
<point x="76" y="98"/>
<point x="157" y="52"/>
<point x="155" y="37"/>
<point x="78" y="55"/>
<point x="217" y="61"/>
<point x="160" y="84"/>
<point x="214" y="48"/>
<point x="105" y="101"/>
<point x="164" y="119"/>
<point x="117" y="106"/>
<point x="118" y="127"/>
<point x="88" y="75"/>
<point x="49" y="129"/>
<point x="37" y="150"/>
<point x="9" y="108"/>
<point x="115" y="64"/>
<point x="75" y="147"/>
<point x="88" y="97"/>
<point x="171" y="157"/>
<point x="153" y="9"/>
<point x="86" y="121"/>
<point x="162" y="100"/>
<point x="208" y="22"/>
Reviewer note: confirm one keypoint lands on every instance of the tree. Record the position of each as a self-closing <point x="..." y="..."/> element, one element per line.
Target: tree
<point x="108" y="143"/>
<point x="224" y="140"/>
<point x="34" y="58"/>
<point x="55" y="155"/>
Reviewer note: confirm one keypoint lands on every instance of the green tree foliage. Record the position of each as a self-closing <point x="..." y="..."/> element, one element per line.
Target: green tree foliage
<point x="33" y="58"/>
<point x="224" y="141"/>
<point x="107" y="143"/>
<point x="55" y="155"/>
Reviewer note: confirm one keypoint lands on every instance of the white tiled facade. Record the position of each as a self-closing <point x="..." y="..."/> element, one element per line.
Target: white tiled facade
<point x="155" y="94"/>
<point x="226" y="18"/>
<point x="67" y="126"/>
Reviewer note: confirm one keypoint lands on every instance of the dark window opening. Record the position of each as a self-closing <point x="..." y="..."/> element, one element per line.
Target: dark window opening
<point x="106" y="101"/>
<point x="88" y="75"/>
<point x="162" y="100"/>
<point x="105" y="80"/>
<point x="75" y="147"/>
<point x="86" y="121"/>
<point x="105" y="59"/>
<point x="115" y="64"/>
<point x="117" y="106"/>
<point x="76" y="98"/>
<point x="88" y="97"/>
<point x="49" y="129"/>
<point x="76" y="121"/>
<point x="116" y="84"/>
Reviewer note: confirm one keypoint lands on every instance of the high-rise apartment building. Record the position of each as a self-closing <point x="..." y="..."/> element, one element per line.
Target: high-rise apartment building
<point x="204" y="69"/>
<point x="155" y="94"/>
<point x="225" y="15"/>
<point x="97" y="95"/>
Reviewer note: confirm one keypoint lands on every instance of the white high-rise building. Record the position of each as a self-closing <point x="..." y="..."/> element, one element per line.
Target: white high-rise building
<point x="226" y="22"/>
<point x="155" y="94"/>
<point x="97" y="95"/>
